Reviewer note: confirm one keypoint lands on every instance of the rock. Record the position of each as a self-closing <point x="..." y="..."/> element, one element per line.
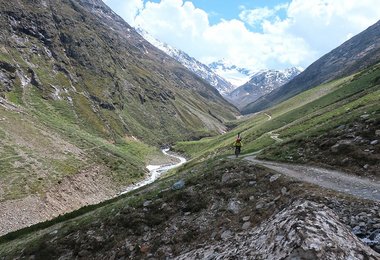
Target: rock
<point x="341" y="146"/>
<point x="178" y="185"/>
<point x="259" y="205"/>
<point x="147" y="203"/>
<point x="375" y="236"/>
<point x="362" y="224"/>
<point x="376" y="226"/>
<point x="284" y="190"/>
<point x="233" y="206"/>
<point x="246" y="225"/>
<point x="365" y="116"/>
<point x="377" y="132"/>
<point x="335" y="148"/>
<point x="144" y="248"/>
<point x="83" y="253"/>
<point x="366" y="166"/>
<point x="374" y="142"/>
<point x="274" y="177"/>
<point x="226" y="235"/>
<point x="341" y="127"/>
<point x="357" y="231"/>
<point x="246" y="218"/>
<point x="303" y="230"/>
<point x="252" y="183"/>
<point x="345" y="161"/>
<point x="226" y="177"/>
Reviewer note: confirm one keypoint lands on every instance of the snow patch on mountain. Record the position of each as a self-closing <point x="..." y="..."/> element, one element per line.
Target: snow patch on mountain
<point x="200" y="69"/>
<point x="234" y="74"/>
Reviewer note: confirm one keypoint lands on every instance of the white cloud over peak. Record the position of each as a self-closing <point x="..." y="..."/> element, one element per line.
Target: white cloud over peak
<point x="303" y="32"/>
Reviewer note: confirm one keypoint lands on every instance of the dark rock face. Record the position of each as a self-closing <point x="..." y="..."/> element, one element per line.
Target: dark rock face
<point x="304" y="230"/>
<point x="361" y="51"/>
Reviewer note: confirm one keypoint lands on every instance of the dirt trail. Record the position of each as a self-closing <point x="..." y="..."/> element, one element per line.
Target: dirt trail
<point x="335" y="180"/>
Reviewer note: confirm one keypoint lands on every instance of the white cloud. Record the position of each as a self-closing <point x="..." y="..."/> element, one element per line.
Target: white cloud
<point x="177" y="23"/>
<point x="128" y="9"/>
<point x="254" y="17"/>
<point x="306" y="31"/>
<point x="324" y="24"/>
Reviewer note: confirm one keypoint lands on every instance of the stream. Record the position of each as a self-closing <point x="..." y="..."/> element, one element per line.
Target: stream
<point x="155" y="171"/>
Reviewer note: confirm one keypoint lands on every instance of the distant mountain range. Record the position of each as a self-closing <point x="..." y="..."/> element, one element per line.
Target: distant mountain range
<point x="238" y="85"/>
<point x="261" y="83"/>
<point x="200" y="69"/>
<point x="359" y="52"/>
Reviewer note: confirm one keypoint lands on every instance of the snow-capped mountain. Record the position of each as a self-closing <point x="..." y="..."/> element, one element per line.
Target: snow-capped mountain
<point x="261" y="83"/>
<point x="200" y="69"/>
<point x="237" y="76"/>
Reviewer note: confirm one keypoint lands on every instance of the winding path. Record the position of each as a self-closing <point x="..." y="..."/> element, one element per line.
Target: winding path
<point x="155" y="171"/>
<point x="335" y="180"/>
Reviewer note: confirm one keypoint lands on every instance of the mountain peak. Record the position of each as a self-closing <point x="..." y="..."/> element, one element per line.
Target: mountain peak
<point x="261" y="82"/>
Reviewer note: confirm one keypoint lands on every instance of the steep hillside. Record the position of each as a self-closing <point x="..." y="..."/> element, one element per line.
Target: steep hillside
<point x="85" y="102"/>
<point x="200" y="69"/>
<point x="81" y="52"/>
<point x="359" y="52"/>
<point x="261" y="83"/>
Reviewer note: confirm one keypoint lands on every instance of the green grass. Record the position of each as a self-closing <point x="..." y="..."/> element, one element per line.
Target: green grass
<point x="309" y="113"/>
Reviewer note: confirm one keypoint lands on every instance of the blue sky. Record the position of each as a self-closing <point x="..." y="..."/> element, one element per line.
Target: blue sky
<point x="230" y="9"/>
<point x="250" y="33"/>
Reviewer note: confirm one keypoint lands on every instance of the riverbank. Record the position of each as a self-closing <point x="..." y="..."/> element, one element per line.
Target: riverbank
<point x="155" y="171"/>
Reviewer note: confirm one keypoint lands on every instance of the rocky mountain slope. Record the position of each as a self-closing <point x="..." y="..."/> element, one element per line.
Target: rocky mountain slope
<point x="200" y="69"/>
<point x="260" y="83"/>
<point x="81" y="48"/>
<point x="357" y="53"/>
<point x="84" y="103"/>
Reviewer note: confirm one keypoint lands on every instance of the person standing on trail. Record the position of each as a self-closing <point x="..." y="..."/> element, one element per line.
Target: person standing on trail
<point x="238" y="145"/>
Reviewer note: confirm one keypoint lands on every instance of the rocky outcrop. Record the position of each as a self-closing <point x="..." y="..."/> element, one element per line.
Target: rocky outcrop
<point x="304" y="230"/>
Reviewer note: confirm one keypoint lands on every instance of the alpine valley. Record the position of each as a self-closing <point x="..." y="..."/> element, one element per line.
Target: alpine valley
<point x="86" y="104"/>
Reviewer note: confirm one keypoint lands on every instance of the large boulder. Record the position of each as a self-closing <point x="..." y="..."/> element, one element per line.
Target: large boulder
<point x="304" y="230"/>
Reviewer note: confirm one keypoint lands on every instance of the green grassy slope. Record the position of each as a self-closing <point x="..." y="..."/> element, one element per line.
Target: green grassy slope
<point x="306" y="116"/>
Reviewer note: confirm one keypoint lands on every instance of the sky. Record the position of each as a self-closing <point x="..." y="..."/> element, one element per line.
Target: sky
<point x="252" y="34"/>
